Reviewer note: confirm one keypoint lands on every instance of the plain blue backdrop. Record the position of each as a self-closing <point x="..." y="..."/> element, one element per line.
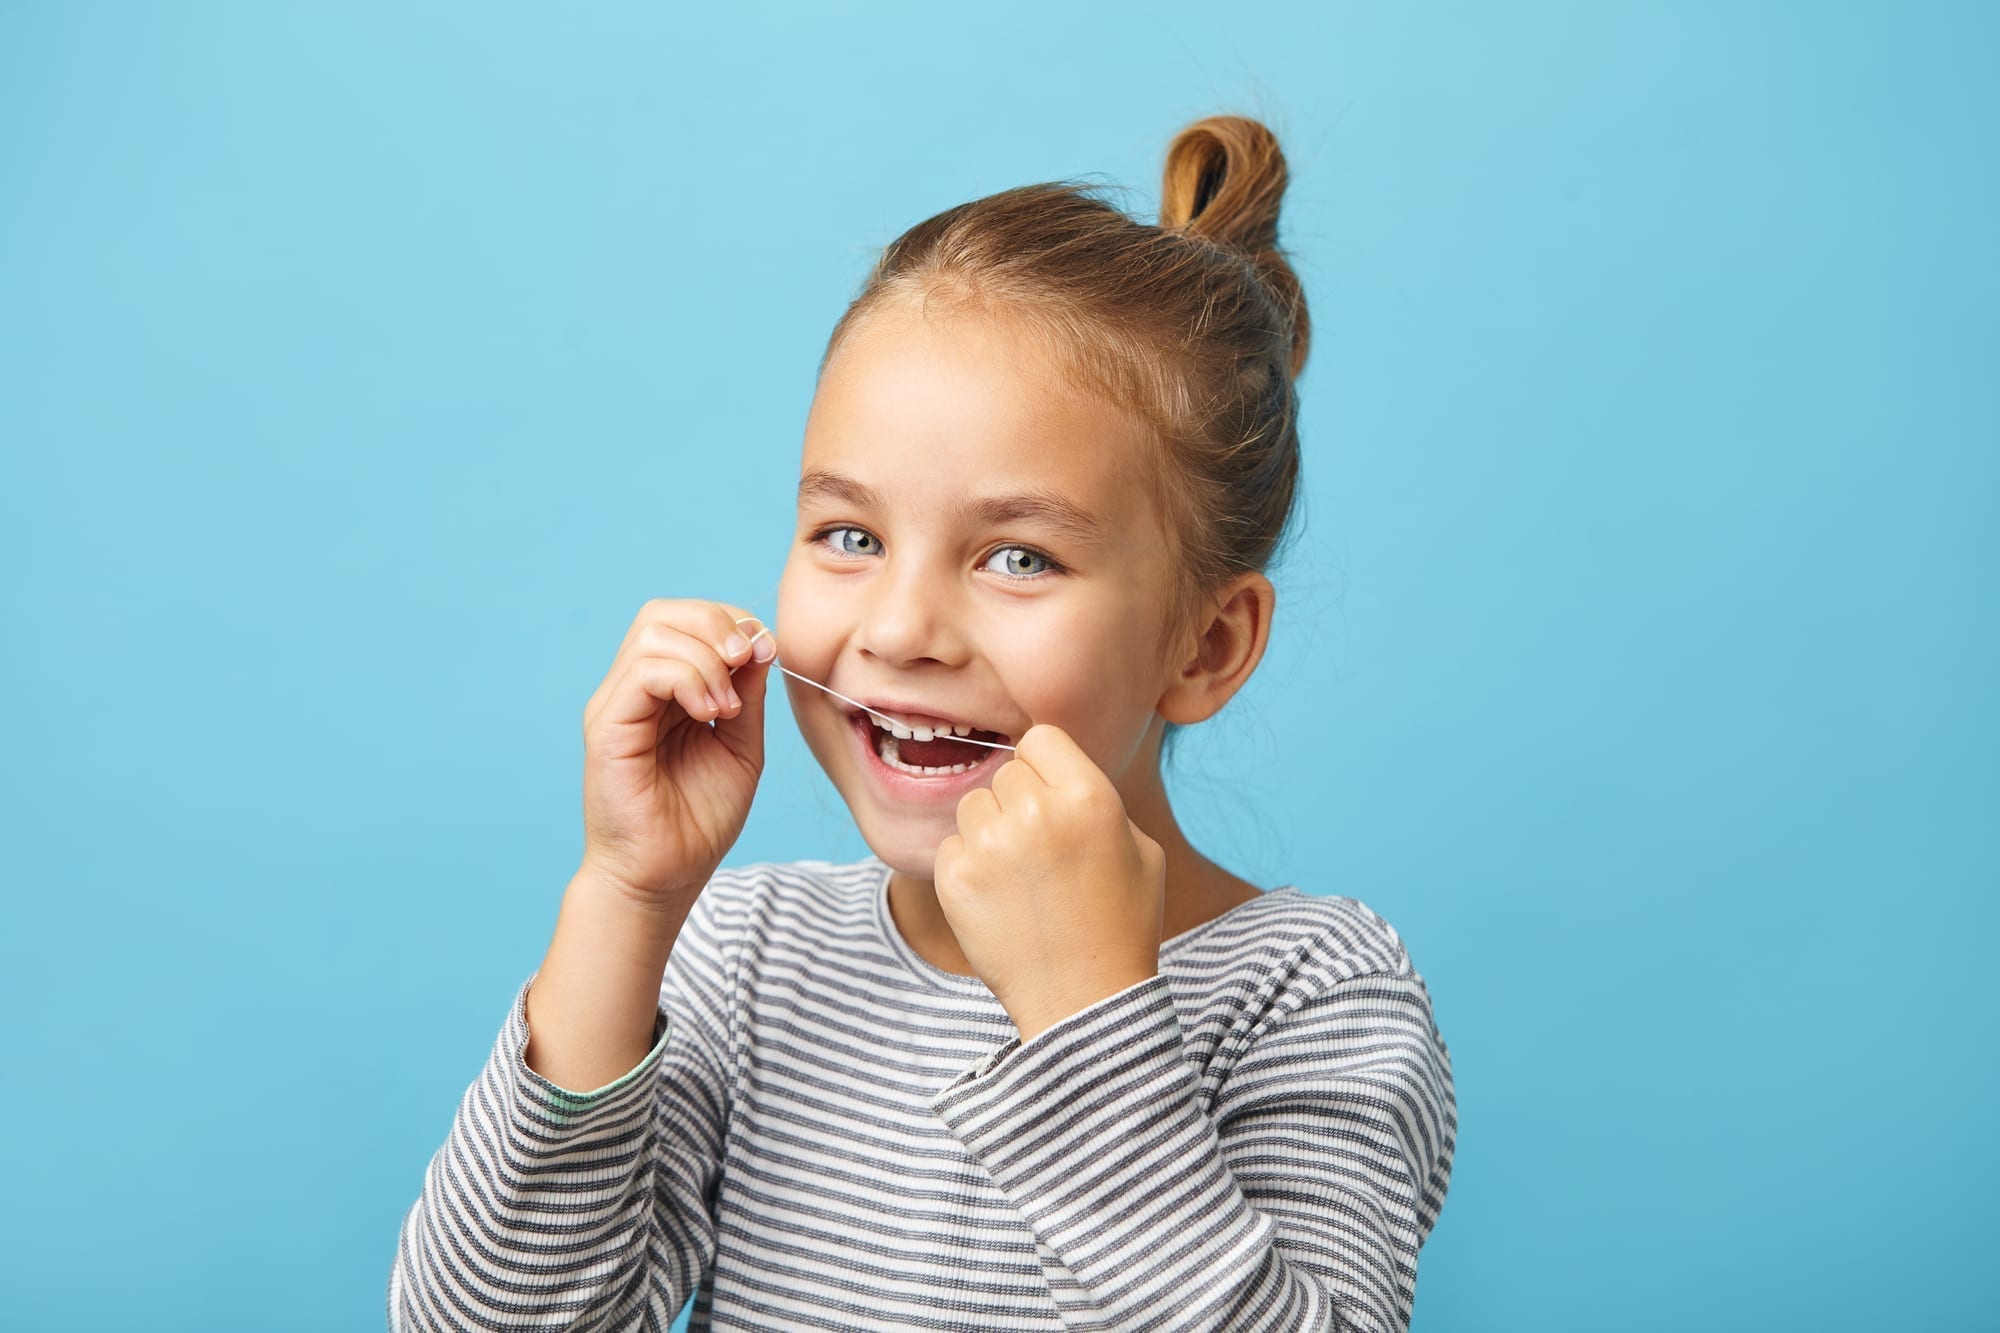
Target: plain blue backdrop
<point x="363" y="368"/>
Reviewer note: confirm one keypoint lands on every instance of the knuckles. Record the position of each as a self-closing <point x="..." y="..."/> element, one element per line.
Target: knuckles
<point x="1099" y="804"/>
<point x="988" y="838"/>
<point x="658" y="614"/>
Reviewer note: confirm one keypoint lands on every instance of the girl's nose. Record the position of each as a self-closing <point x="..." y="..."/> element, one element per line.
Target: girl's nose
<point x="907" y="617"/>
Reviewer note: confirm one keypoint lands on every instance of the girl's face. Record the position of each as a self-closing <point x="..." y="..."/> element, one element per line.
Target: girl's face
<point x="975" y="544"/>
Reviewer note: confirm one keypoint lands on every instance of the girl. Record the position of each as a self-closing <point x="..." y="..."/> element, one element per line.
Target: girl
<point x="1035" y="1063"/>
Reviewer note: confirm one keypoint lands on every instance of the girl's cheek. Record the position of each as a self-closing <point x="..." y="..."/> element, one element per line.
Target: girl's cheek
<point x="795" y="628"/>
<point x="1071" y="684"/>
<point x="806" y="641"/>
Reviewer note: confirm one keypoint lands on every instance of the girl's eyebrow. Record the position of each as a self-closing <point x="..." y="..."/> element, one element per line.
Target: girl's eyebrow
<point x="1048" y="507"/>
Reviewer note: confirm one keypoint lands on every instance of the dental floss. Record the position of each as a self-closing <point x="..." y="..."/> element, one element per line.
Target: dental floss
<point x="763" y="629"/>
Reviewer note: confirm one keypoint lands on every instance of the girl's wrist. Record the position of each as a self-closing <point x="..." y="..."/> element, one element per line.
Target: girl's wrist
<point x="1036" y="1016"/>
<point x="670" y="903"/>
<point x="648" y="924"/>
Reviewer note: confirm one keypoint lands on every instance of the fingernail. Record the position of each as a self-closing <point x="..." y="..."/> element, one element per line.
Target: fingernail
<point x="764" y="649"/>
<point x="734" y="702"/>
<point x="735" y="646"/>
<point x="709" y="699"/>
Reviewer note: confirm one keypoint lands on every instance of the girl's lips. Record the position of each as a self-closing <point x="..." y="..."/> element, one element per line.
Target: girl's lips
<point x="911" y="788"/>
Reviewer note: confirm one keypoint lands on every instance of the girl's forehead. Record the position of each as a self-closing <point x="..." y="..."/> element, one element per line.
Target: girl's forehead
<point x="1078" y="487"/>
<point x="904" y="374"/>
<point x="915" y="405"/>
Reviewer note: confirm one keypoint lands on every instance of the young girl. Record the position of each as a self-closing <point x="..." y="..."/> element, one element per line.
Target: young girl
<point x="1035" y="1063"/>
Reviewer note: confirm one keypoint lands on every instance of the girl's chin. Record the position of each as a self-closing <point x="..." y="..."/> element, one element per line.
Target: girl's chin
<point x="908" y="846"/>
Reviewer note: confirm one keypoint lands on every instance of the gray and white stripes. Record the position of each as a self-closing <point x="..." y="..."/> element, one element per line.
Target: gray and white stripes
<point x="830" y="1132"/>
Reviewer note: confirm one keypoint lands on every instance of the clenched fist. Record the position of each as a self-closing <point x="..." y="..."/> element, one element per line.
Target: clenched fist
<point x="1057" y="898"/>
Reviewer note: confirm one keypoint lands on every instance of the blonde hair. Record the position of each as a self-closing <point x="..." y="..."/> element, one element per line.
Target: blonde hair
<point x="1197" y="324"/>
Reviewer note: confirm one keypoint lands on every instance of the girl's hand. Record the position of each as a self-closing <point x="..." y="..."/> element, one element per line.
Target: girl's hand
<point x="1057" y="898"/>
<point x="665" y="794"/>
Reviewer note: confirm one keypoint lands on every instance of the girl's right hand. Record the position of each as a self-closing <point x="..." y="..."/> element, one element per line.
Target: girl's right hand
<point x="665" y="795"/>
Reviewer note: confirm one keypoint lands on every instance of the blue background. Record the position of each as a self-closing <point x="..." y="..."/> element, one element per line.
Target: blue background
<point x="364" y="368"/>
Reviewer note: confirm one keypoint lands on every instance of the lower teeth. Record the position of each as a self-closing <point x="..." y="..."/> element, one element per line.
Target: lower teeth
<point x="886" y="747"/>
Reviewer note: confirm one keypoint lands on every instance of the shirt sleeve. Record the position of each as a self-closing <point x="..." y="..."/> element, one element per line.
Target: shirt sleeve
<point x="556" y="1209"/>
<point x="1297" y="1200"/>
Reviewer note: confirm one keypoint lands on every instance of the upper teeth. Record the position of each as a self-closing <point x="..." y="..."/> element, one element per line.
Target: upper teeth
<point x="903" y="733"/>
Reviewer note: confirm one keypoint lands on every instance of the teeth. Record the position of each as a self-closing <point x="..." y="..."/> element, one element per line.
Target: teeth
<point x="886" y="747"/>
<point x="905" y="733"/>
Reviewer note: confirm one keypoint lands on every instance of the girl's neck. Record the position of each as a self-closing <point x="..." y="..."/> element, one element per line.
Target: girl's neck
<point x="1198" y="890"/>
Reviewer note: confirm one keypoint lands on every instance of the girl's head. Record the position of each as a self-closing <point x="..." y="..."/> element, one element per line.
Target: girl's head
<point x="1051" y="453"/>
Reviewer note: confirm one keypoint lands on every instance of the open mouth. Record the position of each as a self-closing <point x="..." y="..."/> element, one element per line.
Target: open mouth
<point x="934" y="751"/>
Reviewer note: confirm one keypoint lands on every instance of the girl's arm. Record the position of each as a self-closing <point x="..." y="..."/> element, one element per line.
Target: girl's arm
<point x="598" y="989"/>
<point x="586" y="1210"/>
<point x="1293" y="1196"/>
<point x="554" y="1208"/>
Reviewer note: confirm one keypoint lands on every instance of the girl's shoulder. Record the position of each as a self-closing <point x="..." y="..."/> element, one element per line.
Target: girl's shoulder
<point x="1331" y="937"/>
<point x="1325" y="969"/>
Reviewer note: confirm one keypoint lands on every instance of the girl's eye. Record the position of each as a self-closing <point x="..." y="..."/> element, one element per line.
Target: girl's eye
<point x="1020" y="566"/>
<point x="861" y="536"/>
<point x="1022" y="554"/>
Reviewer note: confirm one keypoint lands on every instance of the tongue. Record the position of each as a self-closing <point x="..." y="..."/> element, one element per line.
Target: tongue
<point x="939" y="753"/>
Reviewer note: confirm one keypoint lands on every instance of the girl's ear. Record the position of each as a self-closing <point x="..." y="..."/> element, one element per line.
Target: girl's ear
<point x="1226" y="651"/>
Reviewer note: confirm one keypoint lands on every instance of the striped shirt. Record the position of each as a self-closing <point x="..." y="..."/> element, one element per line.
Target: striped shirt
<point x="832" y="1132"/>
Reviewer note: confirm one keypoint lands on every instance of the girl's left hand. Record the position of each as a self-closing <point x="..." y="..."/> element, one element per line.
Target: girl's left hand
<point x="1057" y="898"/>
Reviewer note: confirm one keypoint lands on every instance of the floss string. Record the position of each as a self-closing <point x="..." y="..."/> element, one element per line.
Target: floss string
<point x="763" y="629"/>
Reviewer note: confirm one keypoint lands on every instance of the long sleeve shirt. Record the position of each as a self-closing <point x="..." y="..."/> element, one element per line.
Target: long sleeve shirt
<point x="831" y="1132"/>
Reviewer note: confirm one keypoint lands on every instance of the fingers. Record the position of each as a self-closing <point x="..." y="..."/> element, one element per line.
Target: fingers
<point x="947" y="852"/>
<point x="743" y="636"/>
<point x="976" y="809"/>
<point x="646" y="682"/>
<point x="1046" y="761"/>
<point x="1045" y="756"/>
<point x="1060" y="761"/>
<point x="741" y="728"/>
<point x="1015" y="784"/>
<point x="713" y="667"/>
<point x="763" y="643"/>
<point x="704" y="637"/>
<point x="713" y="625"/>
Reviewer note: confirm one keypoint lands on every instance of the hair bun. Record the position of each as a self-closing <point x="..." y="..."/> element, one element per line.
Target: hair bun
<point x="1224" y="180"/>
